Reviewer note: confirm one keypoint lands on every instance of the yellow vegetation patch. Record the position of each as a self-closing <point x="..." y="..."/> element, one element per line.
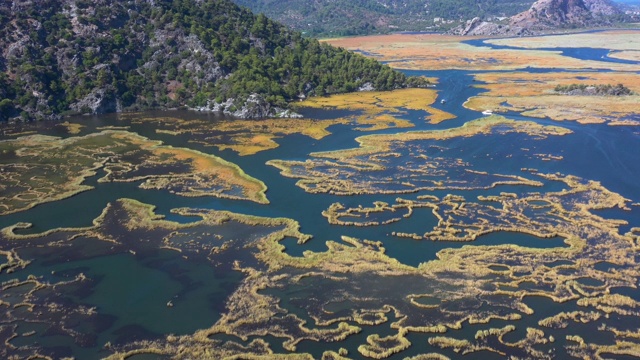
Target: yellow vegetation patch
<point x="72" y="128"/>
<point x="382" y="347"/>
<point x="215" y="170"/>
<point x="248" y="137"/>
<point x="370" y="144"/>
<point x="47" y="169"/>
<point x="364" y="170"/>
<point x="459" y="276"/>
<point x="376" y="103"/>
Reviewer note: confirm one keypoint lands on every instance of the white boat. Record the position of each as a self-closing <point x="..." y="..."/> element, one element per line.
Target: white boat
<point x="487" y="112"/>
<point x="443" y="101"/>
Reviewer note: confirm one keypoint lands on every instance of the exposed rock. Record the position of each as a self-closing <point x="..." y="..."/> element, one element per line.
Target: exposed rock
<point x="548" y="14"/>
<point x="471" y="24"/>
<point x="478" y="27"/>
<point x="99" y="101"/>
<point x="602" y="7"/>
<point x="201" y="61"/>
<point x="366" y="87"/>
<point x="254" y="107"/>
<point x="544" y="16"/>
<point x="286" y="113"/>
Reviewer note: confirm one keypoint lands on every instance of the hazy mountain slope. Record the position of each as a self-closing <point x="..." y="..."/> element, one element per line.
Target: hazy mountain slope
<point x="565" y="13"/>
<point x="351" y="17"/>
<point x="60" y="56"/>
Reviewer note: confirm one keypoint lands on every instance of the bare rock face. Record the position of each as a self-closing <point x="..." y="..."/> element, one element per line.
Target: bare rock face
<point x="99" y="101"/>
<point x="546" y="15"/>
<point x="255" y="107"/>
<point x="553" y="14"/>
<point x="478" y="27"/>
<point x="602" y="7"/>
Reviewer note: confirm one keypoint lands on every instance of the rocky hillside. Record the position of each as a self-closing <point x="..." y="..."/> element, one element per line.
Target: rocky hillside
<point x="565" y="13"/>
<point x="355" y="17"/>
<point x="546" y="15"/>
<point x="96" y="56"/>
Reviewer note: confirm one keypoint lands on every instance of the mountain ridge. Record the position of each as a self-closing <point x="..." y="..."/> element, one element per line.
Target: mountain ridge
<point x="361" y="17"/>
<point x="332" y="18"/>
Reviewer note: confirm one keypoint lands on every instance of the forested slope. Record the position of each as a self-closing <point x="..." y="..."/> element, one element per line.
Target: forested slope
<point x="80" y="56"/>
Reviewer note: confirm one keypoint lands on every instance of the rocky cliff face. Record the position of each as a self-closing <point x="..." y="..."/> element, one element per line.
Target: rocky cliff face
<point x="546" y="15"/>
<point x="602" y="7"/>
<point x="553" y="14"/>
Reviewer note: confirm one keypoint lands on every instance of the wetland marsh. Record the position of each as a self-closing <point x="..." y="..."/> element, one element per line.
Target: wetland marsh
<point x="379" y="226"/>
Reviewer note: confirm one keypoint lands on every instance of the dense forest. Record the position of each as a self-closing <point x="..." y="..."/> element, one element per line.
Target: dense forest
<point x="95" y="56"/>
<point x="356" y="17"/>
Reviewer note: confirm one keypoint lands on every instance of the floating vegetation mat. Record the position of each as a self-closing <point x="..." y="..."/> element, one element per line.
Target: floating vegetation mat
<point x="354" y="285"/>
<point x="281" y="304"/>
<point x="37" y="169"/>
<point x="48" y="303"/>
<point x="244" y="136"/>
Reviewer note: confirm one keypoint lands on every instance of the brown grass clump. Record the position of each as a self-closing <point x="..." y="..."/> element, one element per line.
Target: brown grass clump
<point x="612" y="303"/>
<point x="561" y="320"/>
<point x="457" y="345"/>
<point x="595" y="351"/>
<point x="430" y="356"/>
<point x="382" y="347"/>
<point x="332" y="355"/>
<point x="72" y="128"/>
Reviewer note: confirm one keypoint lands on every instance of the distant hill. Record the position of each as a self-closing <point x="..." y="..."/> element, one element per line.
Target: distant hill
<point x="357" y="17"/>
<point x="566" y="13"/>
<point x="548" y="15"/>
<point x="360" y="17"/>
<point x="96" y="56"/>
